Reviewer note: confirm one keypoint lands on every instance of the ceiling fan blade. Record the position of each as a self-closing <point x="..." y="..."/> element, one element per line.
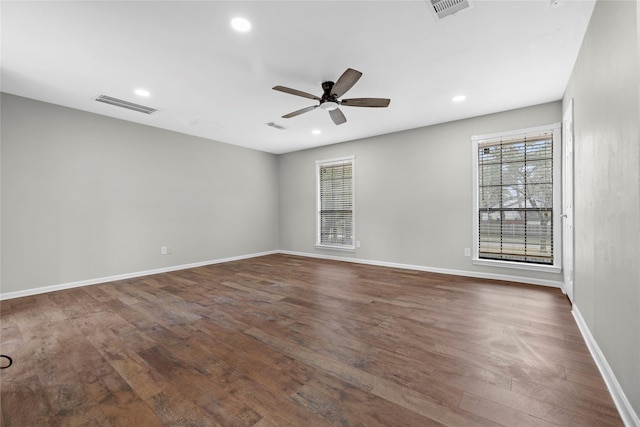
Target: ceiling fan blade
<point x="337" y="116"/>
<point x="366" y="102"/>
<point x="300" y="111"/>
<point x="295" y="92"/>
<point x="345" y="82"/>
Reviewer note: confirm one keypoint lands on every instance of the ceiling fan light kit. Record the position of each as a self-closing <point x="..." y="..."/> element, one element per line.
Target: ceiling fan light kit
<point x="330" y="97"/>
<point x="329" y="105"/>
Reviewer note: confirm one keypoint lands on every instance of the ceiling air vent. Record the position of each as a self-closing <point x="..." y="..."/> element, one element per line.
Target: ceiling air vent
<point x="275" y="125"/>
<point x="444" y="8"/>
<point x="125" y="104"/>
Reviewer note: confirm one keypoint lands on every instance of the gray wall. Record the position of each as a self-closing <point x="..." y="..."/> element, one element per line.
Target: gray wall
<point x="413" y="193"/>
<point x="86" y="196"/>
<point x="605" y="89"/>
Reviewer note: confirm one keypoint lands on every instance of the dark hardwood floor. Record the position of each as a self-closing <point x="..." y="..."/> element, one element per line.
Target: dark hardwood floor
<point x="289" y="341"/>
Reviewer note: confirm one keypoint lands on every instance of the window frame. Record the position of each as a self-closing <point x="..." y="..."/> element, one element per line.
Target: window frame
<point x="329" y="162"/>
<point x="556" y="267"/>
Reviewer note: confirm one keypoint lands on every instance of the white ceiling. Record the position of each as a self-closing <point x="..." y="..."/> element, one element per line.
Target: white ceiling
<point x="210" y="81"/>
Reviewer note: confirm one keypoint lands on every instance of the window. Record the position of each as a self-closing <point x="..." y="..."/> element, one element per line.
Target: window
<point x="516" y="198"/>
<point x="335" y="223"/>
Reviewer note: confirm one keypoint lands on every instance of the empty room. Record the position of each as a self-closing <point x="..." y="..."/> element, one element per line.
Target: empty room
<point x="320" y="213"/>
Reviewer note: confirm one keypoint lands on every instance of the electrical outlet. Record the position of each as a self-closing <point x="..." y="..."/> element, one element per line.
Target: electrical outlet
<point x="357" y="243"/>
<point x="467" y="251"/>
<point x="164" y="250"/>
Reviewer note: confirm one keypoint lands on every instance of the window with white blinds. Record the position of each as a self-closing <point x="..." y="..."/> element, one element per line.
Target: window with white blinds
<point x="516" y="196"/>
<point x="335" y="219"/>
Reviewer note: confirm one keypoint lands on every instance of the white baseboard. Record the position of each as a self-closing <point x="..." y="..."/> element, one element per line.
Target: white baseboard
<point x="628" y="415"/>
<point x="508" y="278"/>
<point x="44" y="289"/>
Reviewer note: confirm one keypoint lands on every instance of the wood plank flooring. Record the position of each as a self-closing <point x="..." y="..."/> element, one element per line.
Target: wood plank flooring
<point x="290" y="341"/>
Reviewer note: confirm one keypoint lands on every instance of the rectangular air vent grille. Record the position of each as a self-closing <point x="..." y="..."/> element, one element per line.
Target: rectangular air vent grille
<point x="444" y="8"/>
<point x="125" y="104"/>
<point x="275" y="125"/>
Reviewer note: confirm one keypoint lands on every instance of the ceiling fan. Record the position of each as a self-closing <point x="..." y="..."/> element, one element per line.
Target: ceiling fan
<point x="329" y="100"/>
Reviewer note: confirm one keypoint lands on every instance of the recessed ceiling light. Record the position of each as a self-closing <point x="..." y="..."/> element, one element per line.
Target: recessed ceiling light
<point x="459" y="98"/>
<point x="240" y="24"/>
<point x="142" y="92"/>
<point x="316" y="132"/>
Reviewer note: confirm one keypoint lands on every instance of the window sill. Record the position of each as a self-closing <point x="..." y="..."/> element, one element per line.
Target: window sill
<point x="518" y="265"/>
<point x="337" y="248"/>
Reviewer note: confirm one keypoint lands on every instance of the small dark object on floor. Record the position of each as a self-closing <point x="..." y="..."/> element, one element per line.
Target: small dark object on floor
<point x="9" y="359"/>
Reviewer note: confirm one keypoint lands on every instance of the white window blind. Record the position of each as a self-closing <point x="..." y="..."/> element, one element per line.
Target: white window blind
<point x="516" y="198"/>
<point x="335" y="204"/>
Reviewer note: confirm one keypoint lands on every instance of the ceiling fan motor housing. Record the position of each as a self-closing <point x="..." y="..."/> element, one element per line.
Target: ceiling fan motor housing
<point x="327" y="97"/>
